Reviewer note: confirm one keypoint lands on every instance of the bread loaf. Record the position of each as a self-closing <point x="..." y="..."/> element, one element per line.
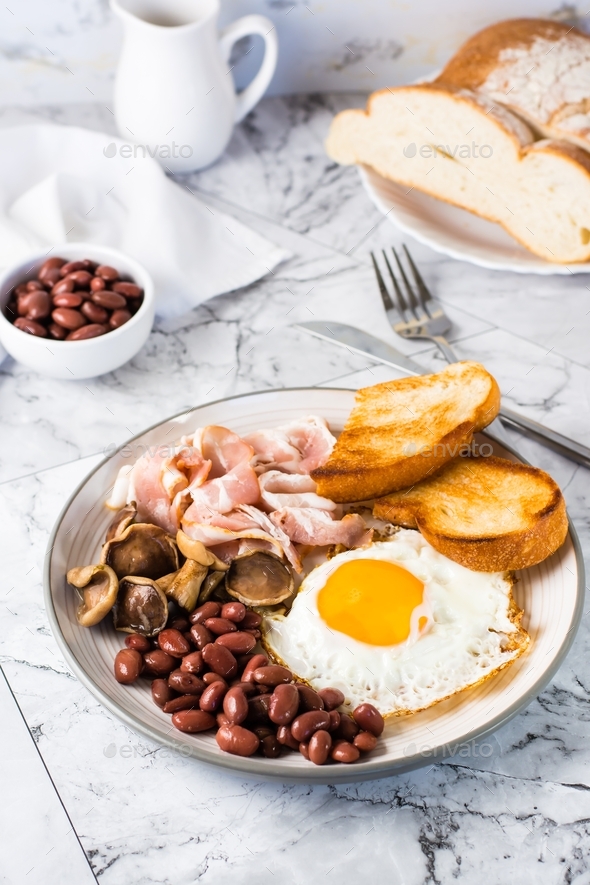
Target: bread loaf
<point x="471" y="137"/>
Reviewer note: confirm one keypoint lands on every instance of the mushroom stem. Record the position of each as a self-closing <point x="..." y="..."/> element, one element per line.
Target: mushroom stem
<point x="197" y="551"/>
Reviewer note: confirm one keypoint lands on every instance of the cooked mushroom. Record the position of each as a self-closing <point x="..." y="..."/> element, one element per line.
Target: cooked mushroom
<point x="184" y="585"/>
<point x="98" y="586"/>
<point x="141" y="606"/>
<point x="121" y="520"/>
<point x="210" y="585"/>
<point x="143" y="550"/>
<point x="197" y="551"/>
<point x="259" y="579"/>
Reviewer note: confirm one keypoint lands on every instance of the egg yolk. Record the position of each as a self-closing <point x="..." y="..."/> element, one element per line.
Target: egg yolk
<point x="371" y="601"/>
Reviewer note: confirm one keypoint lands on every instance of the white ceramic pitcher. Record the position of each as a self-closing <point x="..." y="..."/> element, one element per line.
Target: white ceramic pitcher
<point x="174" y="92"/>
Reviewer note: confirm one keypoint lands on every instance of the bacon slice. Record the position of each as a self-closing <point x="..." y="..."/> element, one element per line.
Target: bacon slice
<point x="159" y="482"/>
<point x="278" y="490"/>
<point x="224" y="448"/>
<point x="297" y="447"/>
<point x="306" y="525"/>
<point x="225" y="529"/>
<point x="221" y="495"/>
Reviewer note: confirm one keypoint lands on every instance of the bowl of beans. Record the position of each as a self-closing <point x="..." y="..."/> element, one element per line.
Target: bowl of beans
<point x="76" y="312"/>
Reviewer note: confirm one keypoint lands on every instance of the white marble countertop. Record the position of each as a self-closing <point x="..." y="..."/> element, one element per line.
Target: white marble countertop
<point x="518" y="812"/>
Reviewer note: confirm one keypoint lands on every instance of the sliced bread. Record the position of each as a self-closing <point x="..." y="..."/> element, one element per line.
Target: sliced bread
<point x="487" y="514"/>
<point x="468" y="150"/>
<point x="401" y="431"/>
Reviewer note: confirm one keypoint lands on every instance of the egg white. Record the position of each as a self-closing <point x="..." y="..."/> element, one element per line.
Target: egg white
<point x="473" y="630"/>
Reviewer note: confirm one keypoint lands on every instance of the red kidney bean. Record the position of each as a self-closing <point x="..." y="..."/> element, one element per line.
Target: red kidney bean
<point x="269" y="746"/>
<point x="62" y="286"/>
<point x="244" y="660"/>
<point x="181" y="624"/>
<point x="247" y="687"/>
<point x="365" y="741"/>
<point x="233" y="611"/>
<point x="184" y="702"/>
<point x="30" y="326"/>
<point x="128" y="665"/>
<point x="93" y="312"/>
<point x="219" y="626"/>
<point x="21" y="289"/>
<point x="138" y="642"/>
<point x="106" y="272"/>
<point x="35" y="284"/>
<point x="68" y="318"/>
<point x="251" y="667"/>
<point x="173" y="642"/>
<point x="207" y="610"/>
<point x="210" y="678"/>
<point x="50" y="264"/>
<point x="71" y="266"/>
<point x="185" y="683"/>
<point x="129" y="290"/>
<point x="92" y="330"/>
<point x="238" y="643"/>
<point x="158" y="663"/>
<point x="284" y="703"/>
<point x="80" y="278"/>
<point x="369" y="718"/>
<point x="320" y="744"/>
<point x="304" y="749"/>
<point x="67" y="299"/>
<point x="161" y="692"/>
<point x="201" y="636"/>
<point x="251" y="621"/>
<point x="255" y="633"/>
<point x="332" y="698"/>
<point x="285" y="737"/>
<point x="35" y="305"/>
<point x="304" y="725"/>
<point x="119" y="318"/>
<point x="334" y="720"/>
<point x="342" y="751"/>
<point x="50" y="277"/>
<point x="193" y="721"/>
<point x="347" y="730"/>
<point x="221" y="719"/>
<point x="272" y="675"/>
<point x="309" y="699"/>
<point x="262" y="689"/>
<point x="96" y="284"/>
<point x="193" y="663"/>
<point x="237" y="740"/>
<point x="258" y="708"/>
<point x="235" y="705"/>
<point x="110" y="300"/>
<point x="212" y="697"/>
<point x="57" y="332"/>
<point x="89" y="264"/>
<point x="220" y="660"/>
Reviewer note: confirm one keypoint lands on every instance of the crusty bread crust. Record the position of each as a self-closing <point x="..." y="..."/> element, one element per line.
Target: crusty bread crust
<point x="478" y="56"/>
<point x="388" y="445"/>
<point x="460" y="512"/>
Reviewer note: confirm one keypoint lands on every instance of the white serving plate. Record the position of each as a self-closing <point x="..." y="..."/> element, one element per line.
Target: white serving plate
<point x="551" y="595"/>
<point x="455" y="232"/>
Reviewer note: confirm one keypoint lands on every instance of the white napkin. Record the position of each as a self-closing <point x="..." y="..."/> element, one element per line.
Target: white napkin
<point x="61" y="183"/>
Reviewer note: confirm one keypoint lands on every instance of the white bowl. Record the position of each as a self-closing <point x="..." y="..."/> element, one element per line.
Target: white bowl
<point x="78" y="359"/>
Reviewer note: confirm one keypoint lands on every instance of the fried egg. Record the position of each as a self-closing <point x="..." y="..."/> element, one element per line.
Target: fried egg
<point x="397" y="624"/>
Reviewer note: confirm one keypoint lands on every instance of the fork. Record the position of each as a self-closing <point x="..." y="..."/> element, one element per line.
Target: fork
<point x="416" y="314"/>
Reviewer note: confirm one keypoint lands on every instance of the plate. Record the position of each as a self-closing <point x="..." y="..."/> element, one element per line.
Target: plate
<point x="455" y="231"/>
<point x="551" y="595"/>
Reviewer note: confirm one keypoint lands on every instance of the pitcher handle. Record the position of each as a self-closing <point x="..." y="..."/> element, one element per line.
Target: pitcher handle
<point x="244" y="27"/>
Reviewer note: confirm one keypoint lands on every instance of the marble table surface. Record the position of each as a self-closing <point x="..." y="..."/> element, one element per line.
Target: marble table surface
<point x="87" y="798"/>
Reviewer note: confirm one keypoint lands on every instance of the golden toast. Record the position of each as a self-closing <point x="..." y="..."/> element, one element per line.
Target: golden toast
<point x="487" y="514"/>
<point x="401" y="431"/>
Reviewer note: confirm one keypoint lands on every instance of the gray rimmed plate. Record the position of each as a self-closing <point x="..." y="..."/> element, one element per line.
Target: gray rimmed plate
<point x="551" y="595"/>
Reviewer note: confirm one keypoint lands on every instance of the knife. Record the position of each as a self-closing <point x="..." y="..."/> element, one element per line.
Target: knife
<point x="357" y="341"/>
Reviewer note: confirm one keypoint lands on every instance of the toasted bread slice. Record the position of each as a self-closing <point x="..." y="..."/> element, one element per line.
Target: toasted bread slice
<point x="487" y="514"/>
<point x="401" y="431"/>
